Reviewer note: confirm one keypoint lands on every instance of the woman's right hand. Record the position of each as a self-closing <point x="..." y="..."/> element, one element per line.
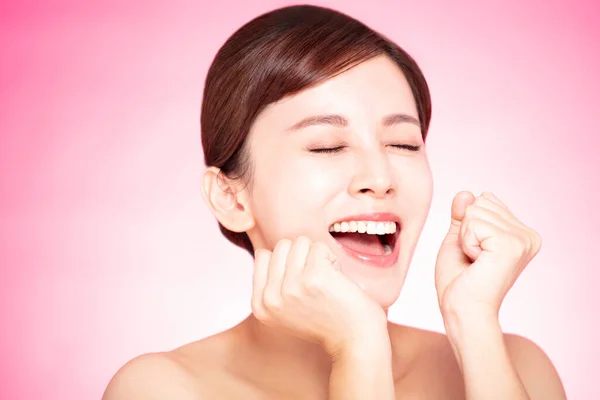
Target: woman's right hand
<point x="300" y="288"/>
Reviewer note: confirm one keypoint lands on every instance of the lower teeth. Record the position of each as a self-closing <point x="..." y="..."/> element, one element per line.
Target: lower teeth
<point x="387" y="249"/>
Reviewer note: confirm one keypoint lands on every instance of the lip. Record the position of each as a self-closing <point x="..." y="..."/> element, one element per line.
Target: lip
<point x="385" y="261"/>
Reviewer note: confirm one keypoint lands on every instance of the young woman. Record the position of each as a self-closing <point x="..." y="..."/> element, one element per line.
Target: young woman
<point x="313" y="131"/>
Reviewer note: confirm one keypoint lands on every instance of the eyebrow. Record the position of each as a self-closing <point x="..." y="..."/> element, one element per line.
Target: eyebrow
<point x="339" y="121"/>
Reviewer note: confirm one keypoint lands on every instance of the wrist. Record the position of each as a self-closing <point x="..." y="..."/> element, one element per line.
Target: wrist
<point x="366" y="343"/>
<point x="483" y="357"/>
<point x="468" y="316"/>
<point x="362" y="369"/>
<point x="472" y="329"/>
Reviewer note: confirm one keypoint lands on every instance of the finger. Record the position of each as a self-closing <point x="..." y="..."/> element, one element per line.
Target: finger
<point x="491" y="202"/>
<point x="277" y="265"/>
<point x="459" y="204"/>
<point x="259" y="281"/>
<point x="498" y="243"/>
<point x="296" y="261"/>
<point x="271" y="295"/>
<point x="473" y="233"/>
<point x="502" y="251"/>
<point x="320" y="263"/>
<point x="320" y="256"/>
<point x="493" y="198"/>
<point x="477" y="212"/>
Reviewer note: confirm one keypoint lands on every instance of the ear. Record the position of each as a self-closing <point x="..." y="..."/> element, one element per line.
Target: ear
<point x="227" y="201"/>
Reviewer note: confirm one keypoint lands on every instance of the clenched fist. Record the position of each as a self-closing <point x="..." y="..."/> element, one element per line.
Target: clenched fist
<point x="299" y="287"/>
<point x="482" y="255"/>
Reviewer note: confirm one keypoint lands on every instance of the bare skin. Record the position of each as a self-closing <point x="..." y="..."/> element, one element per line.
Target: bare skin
<point x="234" y="365"/>
<point x="319" y="328"/>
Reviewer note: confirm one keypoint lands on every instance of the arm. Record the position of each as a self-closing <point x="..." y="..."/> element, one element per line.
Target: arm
<point x="363" y="370"/>
<point x="483" y="254"/>
<point x="150" y="377"/>
<point x="498" y="366"/>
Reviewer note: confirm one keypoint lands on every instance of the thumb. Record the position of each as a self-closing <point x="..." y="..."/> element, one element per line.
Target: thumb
<point x="459" y="204"/>
<point x="451" y="259"/>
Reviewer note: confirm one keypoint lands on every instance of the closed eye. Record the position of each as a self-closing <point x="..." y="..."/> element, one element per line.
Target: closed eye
<point x="327" y="150"/>
<point x="333" y="150"/>
<point x="406" y="147"/>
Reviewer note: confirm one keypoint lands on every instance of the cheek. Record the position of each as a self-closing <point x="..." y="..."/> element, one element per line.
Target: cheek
<point x="284" y="195"/>
<point x="416" y="187"/>
<point x="306" y="183"/>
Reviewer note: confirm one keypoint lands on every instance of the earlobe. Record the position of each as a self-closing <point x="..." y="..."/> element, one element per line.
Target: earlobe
<point x="226" y="201"/>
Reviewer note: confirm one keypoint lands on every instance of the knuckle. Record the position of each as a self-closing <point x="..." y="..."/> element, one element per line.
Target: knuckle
<point x="258" y="310"/>
<point x="292" y="291"/>
<point x="534" y="240"/>
<point x="538" y="241"/>
<point x="313" y="282"/>
<point x="514" y="244"/>
<point x="260" y="314"/>
<point x="527" y="241"/>
<point x="271" y="300"/>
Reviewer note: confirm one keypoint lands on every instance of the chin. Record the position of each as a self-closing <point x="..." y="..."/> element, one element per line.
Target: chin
<point x="385" y="298"/>
<point x="383" y="285"/>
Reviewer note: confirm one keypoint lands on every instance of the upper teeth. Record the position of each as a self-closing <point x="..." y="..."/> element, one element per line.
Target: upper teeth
<point x="368" y="227"/>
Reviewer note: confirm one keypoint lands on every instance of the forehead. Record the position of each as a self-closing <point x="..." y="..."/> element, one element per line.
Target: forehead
<point x="368" y="91"/>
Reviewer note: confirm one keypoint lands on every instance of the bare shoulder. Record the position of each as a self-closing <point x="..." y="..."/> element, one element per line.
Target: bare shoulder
<point x="152" y="376"/>
<point x="434" y="367"/>
<point x="191" y="371"/>
<point x="535" y="369"/>
<point x="432" y="371"/>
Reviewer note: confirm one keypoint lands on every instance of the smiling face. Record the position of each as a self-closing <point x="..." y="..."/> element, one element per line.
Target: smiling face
<point x="348" y="151"/>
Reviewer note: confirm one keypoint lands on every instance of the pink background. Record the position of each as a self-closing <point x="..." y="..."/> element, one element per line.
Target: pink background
<point x="108" y="251"/>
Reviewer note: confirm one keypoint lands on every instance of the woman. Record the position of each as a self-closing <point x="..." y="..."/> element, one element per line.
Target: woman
<point x="313" y="130"/>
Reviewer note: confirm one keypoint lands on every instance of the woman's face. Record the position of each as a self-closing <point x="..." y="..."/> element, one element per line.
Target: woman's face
<point x="349" y="149"/>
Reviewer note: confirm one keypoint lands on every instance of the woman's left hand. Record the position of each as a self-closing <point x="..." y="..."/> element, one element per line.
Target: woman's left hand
<point x="481" y="257"/>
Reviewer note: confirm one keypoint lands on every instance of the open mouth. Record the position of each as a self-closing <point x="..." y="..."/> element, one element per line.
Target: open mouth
<point x="367" y="238"/>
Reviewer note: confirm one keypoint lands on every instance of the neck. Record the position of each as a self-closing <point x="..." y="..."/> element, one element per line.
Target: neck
<point x="287" y="361"/>
<point x="284" y="363"/>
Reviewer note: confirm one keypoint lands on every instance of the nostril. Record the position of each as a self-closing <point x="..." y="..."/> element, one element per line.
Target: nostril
<point x="388" y="191"/>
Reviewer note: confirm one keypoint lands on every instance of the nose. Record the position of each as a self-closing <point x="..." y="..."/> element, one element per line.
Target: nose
<point x="373" y="176"/>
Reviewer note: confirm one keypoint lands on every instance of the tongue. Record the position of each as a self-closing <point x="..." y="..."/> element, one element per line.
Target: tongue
<point x="361" y="242"/>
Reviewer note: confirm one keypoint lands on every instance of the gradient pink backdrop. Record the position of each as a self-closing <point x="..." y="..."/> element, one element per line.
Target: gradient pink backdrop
<point x="108" y="251"/>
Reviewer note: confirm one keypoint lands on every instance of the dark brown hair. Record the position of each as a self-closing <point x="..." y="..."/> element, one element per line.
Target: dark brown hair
<point x="279" y="54"/>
